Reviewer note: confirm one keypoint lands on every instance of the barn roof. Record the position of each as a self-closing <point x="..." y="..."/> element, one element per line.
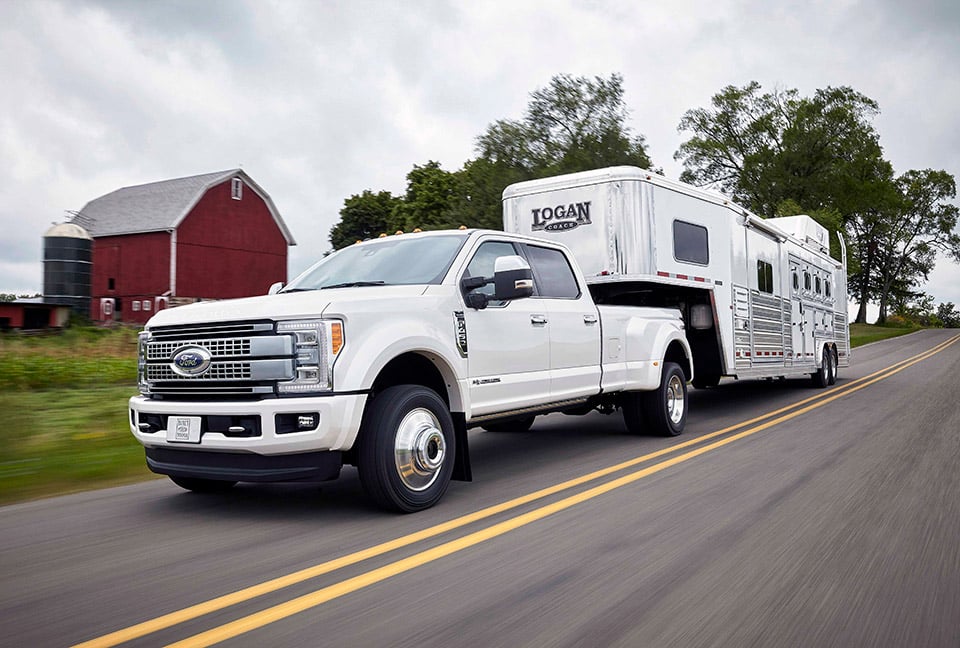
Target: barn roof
<point x="160" y="206"/>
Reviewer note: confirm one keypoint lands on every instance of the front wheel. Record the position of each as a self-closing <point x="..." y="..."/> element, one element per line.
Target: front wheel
<point x="407" y="448"/>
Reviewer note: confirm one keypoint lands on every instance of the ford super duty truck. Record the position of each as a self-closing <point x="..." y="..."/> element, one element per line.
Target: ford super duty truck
<point x="384" y="354"/>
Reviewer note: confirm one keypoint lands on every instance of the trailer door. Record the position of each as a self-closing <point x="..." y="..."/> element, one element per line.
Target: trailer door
<point x="796" y="311"/>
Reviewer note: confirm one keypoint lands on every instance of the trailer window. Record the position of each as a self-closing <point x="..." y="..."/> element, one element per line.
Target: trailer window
<point x="764" y="277"/>
<point x="690" y="243"/>
<point x="552" y="273"/>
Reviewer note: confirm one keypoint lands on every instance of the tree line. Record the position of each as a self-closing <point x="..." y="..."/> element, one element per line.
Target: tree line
<point x="776" y="153"/>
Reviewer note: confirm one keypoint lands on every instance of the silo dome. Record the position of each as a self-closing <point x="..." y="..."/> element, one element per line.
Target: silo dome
<point x="67" y="263"/>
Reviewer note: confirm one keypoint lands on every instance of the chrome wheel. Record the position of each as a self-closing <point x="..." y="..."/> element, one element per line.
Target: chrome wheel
<point x="419" y="449"/>
<point x="676" y="401"/>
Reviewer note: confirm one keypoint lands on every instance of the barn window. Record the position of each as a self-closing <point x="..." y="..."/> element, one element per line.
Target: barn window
<point x="690" y="243"/>
<point x="236" y="189"/>
<point x="111" y="283"/>
<point x="135" y="305"/>
<point x="764" y="277"/>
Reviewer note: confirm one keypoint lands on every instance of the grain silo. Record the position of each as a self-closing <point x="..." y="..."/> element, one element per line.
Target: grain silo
<point x="67" y="263"/>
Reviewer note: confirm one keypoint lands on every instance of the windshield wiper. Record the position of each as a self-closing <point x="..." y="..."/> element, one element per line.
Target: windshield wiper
<point x="353" y="284"/>
<point x="293" y="290"/>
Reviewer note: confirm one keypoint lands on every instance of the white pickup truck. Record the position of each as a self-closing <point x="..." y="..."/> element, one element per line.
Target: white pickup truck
<point x="383" y="354"/>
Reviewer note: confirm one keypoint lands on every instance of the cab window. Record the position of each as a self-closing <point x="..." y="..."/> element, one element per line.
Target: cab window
<point x="552" y="273"/>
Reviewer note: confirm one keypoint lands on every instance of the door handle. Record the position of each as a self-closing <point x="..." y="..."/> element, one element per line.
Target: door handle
<point x="589" y="319"/>
<point x="538" y="320"/>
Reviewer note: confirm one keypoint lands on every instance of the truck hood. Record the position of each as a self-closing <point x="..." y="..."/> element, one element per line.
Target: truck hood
<point x="294" y="305"/>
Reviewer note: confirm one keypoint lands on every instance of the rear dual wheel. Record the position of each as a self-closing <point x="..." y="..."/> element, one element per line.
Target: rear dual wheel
<point x="662" y="411"/>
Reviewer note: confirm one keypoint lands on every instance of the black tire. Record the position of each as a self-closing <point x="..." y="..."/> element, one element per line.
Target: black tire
<point x="705" y="381"/>
<point x="198" y="485"/>
<point x="665" y="408"/>
<point x="407" y="448"/>
<point x="821" y="377"/>
<point x="834" y="367"/>
<point x="516" y="425"/>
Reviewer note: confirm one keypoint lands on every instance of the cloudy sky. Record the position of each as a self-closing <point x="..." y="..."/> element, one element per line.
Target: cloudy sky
<point x="319" y="100"/>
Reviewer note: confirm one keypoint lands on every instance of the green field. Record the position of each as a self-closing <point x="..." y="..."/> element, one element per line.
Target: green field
<point x="861" y="334"/>
<point x="63" y="406"/>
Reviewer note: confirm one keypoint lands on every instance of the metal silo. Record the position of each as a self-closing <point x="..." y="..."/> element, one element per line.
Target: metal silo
<point x="67" y="263"/>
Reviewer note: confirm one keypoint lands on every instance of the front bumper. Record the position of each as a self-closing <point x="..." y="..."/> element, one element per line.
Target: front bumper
<point x="228" y="466"/>
<point x="338" y="423"/>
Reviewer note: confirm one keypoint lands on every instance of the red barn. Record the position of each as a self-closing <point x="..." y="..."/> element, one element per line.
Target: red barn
<point x="211" y="236"/>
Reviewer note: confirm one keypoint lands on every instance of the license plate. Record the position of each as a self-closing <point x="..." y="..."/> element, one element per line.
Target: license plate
<point x="183" y="429"/>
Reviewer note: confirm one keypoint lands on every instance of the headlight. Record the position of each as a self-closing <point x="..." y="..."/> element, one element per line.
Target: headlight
<point x="143" y="338"/>
<point x="317" y="343"/>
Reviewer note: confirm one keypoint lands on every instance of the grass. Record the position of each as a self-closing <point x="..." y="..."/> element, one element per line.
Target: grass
<point x="861" y="334"/>
<point x="59" y="441"/>
<point x="63" y="407"/>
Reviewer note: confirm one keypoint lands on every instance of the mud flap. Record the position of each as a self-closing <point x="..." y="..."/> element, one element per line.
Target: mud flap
<point x="461" y="465"/>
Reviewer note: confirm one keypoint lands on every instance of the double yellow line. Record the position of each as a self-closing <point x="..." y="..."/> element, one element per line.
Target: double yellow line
<point x="325" y="594"/>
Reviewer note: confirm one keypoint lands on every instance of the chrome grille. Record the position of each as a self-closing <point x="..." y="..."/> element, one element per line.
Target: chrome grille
<point x="247" y="358"/>
<point x="218" y="348"/>
<point x="217" y="371"/>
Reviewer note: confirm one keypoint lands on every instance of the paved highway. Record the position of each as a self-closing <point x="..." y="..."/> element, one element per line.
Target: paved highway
<point x="784" y="516"/>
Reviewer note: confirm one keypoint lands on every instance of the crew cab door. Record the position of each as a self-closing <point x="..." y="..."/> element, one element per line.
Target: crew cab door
<point x="574" y="324"/>
<point x="508" y="343"/>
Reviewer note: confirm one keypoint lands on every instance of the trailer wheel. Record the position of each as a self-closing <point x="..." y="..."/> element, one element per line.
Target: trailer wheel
<point x="834" y="365"/>
<point x="821" y="377"/>
<point x="198" y="485"/>
<point x="516" y="425"/>
<point x="703" y="381"/>
<point x="407" y="448"/>
<point x="665" y="408"/>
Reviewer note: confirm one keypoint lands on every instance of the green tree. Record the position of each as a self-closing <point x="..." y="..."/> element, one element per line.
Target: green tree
<point x="574" y="124"/>
<point x="948" y="315"/>
<point x="429" y="200"/>
<point x="924" y="225"/>
<point x="364" y="216"/>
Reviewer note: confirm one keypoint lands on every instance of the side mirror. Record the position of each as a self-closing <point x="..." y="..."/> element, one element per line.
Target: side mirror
<point x="512" y="278"/>
<point x="275" y="288"/>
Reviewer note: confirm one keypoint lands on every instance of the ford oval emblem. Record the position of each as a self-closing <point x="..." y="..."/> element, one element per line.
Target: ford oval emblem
<point x="190" y="361"/>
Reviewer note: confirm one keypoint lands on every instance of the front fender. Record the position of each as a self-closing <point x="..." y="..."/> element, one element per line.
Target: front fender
<point x="371" y="345"/>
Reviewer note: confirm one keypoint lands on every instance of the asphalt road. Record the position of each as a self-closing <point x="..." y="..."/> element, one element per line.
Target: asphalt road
<point x="834" y="522"/>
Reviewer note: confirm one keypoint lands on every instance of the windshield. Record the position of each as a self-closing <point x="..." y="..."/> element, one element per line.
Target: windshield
<point x="392" y="261"/>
